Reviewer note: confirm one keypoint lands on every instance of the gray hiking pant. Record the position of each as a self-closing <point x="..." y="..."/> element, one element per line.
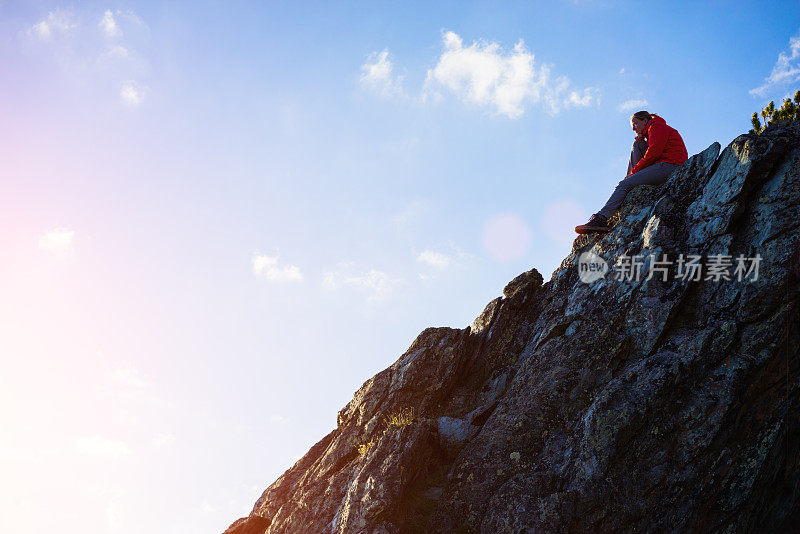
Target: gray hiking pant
<point x="655" y="174"/>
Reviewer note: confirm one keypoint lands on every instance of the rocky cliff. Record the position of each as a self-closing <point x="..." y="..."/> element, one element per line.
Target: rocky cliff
<point x="654" y="401"/>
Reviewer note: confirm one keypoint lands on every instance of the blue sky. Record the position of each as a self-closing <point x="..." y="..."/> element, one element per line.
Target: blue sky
<point x="220" y="218"/>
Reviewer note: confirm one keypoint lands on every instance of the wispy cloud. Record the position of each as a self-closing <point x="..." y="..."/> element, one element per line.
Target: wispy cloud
<point x="508" y="81"/>
<point x="785" y="71"/>
<point x="268" y="267"/>
<point x="60" y="22"/>
<point x="57" y="22"/>
<point x="377" y="75"/>
<point x="434" y="259"/>
<point x="132" y="94"/>
<point x="581" y="100"/>
<point x="101" y="446"/>
<point x="130" y="19"/>
<point x="376" y="285"/>
<point x="98" y="46"/>
<point x="332" y="278"/>
<point x="114" y="53"/>
<point x="109" y="25"/>
<point x="632" y="104"/>
<point x="58" y="241"/>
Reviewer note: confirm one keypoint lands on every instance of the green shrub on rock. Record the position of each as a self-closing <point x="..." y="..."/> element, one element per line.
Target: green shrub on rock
<point x="789" y="111"/>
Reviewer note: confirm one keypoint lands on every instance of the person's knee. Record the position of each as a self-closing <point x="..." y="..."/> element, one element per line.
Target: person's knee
<point x="639" y="147"/>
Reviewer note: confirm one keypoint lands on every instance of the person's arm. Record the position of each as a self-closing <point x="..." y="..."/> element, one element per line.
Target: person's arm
<point x="656" y="141"/>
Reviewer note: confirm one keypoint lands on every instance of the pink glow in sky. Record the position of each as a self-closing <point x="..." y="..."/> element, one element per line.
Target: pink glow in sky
<point x="218" y="219"/>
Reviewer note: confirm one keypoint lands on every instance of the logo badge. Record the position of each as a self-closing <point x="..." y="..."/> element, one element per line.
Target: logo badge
<point x="591" y="267"/>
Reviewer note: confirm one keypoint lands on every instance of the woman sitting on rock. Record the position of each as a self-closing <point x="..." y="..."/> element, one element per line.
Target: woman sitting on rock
<point x="657" y="151"/>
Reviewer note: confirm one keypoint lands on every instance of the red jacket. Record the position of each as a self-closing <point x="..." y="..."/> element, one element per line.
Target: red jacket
<point x="664" y="144"/>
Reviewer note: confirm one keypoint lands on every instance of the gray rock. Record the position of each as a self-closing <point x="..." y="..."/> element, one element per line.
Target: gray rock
<point x="616" y="406"/>
<point x="455" y="432"/>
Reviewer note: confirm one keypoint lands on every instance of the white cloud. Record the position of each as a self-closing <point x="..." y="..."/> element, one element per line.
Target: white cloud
<point x="58" y="241"/>
<point x="434" y="259"/>
<point x="100" y="446"/>
<point x="377" y="76"/>
<point x="268" y="268"/>
<point x="377" y="285"/>
<point x="486" y="75"/>
<point x="98" y="47"/>
<point x="330" y="279"/>
<point x="109" y="25"/>
<point x="56" y="22"/>
<point x="439" y="261"/>
<point x="132" y="18"/>
<point x="132" y="94"/>
<point x="622" y="70"/>
<point x="115" y="52"/>
<point x="786" y="69"/>
<point x="582" y="100"/>
<point x="505" y="237"/>
<point x="632" y="104"/>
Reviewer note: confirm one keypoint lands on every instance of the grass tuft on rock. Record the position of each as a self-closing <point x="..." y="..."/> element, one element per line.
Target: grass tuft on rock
<point x="364" y="447"/>
<point x="400" y="418"/>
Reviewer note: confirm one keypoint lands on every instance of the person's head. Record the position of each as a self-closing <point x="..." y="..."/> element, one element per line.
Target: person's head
<point x="639" y="120"/>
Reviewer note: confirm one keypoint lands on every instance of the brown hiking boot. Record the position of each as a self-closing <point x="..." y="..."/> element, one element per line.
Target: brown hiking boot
<point x="598" y="224"/>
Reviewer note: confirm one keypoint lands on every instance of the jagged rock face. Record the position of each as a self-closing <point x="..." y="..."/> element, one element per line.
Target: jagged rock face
<point x="616" y="405"/>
